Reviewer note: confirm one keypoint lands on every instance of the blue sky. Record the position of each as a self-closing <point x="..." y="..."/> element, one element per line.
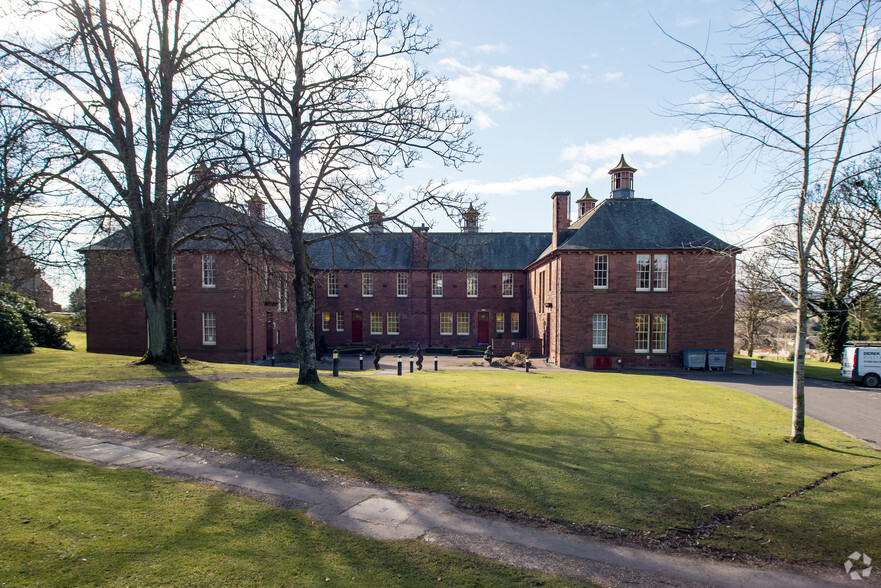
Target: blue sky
<point x="560" y="90"/>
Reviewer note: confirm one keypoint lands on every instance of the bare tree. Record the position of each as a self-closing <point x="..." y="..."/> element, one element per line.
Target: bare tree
<point x="338" y="105"/>
<point x="758" y="302"/>
<point x="23" y="233"/>
<point x="127" y="95"/>
<point x="801" y="90"/>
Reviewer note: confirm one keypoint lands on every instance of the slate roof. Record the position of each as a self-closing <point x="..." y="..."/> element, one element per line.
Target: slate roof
<point x="446" y="251"/>
<point x="631" y="224"/>
<point x="638" y="223"/>
<point x="214" y="226"/>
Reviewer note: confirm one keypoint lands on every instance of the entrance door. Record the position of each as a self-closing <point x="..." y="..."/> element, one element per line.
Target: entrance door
<point x="270" y="339"/>
<point x="357" y="336"/>
<point x="483" y="327"/>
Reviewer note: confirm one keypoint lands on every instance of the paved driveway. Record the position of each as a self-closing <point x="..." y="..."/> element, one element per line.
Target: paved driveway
<point x="847" y="407"/>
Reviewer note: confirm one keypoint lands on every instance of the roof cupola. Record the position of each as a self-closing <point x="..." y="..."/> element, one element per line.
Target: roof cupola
<point x="470" y="217"/>
<point x="586" y="203"/>
<point x="374" y="220"/>
<point x="622" y="179"/>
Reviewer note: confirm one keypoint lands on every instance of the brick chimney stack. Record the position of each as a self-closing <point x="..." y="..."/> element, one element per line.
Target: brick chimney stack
<point x="419" y="254"/>
<point x="561" y="215"/>
<point x="256" y="208"/>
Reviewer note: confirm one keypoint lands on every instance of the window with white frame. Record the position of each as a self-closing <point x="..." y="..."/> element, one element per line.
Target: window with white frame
<point x="659" y="333"/>
<point x="661" y="272"/>
<point x="376" y="323"/>
<point x="500" y="322"/>
<point x="208" y="267"/>
<point x="471" y="284"/>
<point x="366" y="284"/>
<point x="600" y="330"/>
<point x="507" y="285"/>
<point x="601" y="271"/>
<point x="325" y="321"/>
<point x="463" y="323"/>
<point x="393" y="323"/>
<point x="333" y="285"/>
<point x="340" y="321"/>
<point x="641" y="344"/>
<point x="643" y="272"/>
<point x="282" y="293"/>
<point x="209" y="328"/>
<point x="446" y="323"/>
<point x="403" y="284"/>
<point x="515" y="322"/>
<point x="174" y="272"/>
<point x="437" y="284"/>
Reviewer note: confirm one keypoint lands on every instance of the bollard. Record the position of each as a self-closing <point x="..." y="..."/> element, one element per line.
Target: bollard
<point x="527" y="365"/>
<point x="435" y="363"/>
<point x="336" y="363"/>
<point x="619" y="365"/>
<point x="399" y="365"/>
<point x="361" y="361"/>
<point x="273" y="359"/>
<point x="411" y="364"/>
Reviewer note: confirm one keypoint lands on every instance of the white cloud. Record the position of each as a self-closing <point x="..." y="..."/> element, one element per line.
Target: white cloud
<point x="492" y="48"/>
<point x="657" y="145"/>
<point x="612" y="76"/>
<point x="483" y="120"/>
<point x="534" y="184"/>
<point x="477" y="90"/>
<point x="548" y="81"/>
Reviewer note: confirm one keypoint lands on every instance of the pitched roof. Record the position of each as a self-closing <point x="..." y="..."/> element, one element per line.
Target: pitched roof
<point x="446" y="251"/>
<point x="637" y="224"/>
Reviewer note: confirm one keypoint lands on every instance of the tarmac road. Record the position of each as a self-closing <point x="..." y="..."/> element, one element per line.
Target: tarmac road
<point x="852" y="409"/>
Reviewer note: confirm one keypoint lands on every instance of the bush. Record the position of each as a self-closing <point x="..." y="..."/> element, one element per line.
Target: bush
<point x="14" y="334"/>
<point x="44" y="331"/>
<point x="78" y="319"/>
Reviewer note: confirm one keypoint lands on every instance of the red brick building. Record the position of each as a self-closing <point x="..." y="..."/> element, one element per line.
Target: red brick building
<point x="627" y="279"/>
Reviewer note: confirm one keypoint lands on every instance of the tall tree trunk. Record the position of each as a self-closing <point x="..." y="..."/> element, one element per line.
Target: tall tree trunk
<point x="304" y="294"/>
<point x="798" y="372"/>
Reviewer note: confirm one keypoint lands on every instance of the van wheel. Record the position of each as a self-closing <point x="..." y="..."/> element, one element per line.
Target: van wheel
<point x="871" y="380"/>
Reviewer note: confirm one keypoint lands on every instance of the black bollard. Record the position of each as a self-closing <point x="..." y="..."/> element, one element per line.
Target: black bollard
<point x="399" y="365"/>
<point x="273" y="359"/>
<point x="336" y="363"/>
<point x="411" y="364"/>
<point x="361" y="362"/>
<point x="435" y="363"/>
<point x="527" y="365"/>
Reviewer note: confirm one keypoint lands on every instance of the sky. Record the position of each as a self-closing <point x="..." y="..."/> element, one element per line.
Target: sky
<point x="558" y="91"/>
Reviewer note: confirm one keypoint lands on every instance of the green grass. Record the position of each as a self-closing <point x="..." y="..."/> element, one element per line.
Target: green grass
<point x="65" y="523"/>
<point x="46" y="366"/>
<point x="638" y="452"/>
<point x="813" y="369"/>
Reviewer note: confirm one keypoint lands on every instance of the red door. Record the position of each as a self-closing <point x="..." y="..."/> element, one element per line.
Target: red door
<point x="483" y="327"/>
<point x="357" y="337"/>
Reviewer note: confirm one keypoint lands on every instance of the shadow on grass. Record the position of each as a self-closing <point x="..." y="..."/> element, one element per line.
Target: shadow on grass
<point x="504" y="452"/>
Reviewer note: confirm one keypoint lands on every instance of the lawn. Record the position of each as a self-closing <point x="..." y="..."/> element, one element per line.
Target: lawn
<point x="822" y="370"/>
<point x="618" y="451"/>
<point x="65" y="523"/>
<point x="46" y="366"/>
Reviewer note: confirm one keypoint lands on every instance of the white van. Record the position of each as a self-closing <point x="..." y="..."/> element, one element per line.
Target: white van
<point x="862" y="364"/>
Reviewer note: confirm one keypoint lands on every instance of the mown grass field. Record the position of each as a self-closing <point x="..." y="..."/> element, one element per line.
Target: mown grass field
<point x="821" y="370"/>
<point x="636" y="452"/>
<point x="47" y="366"/>
<point x="65" y="523"/>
